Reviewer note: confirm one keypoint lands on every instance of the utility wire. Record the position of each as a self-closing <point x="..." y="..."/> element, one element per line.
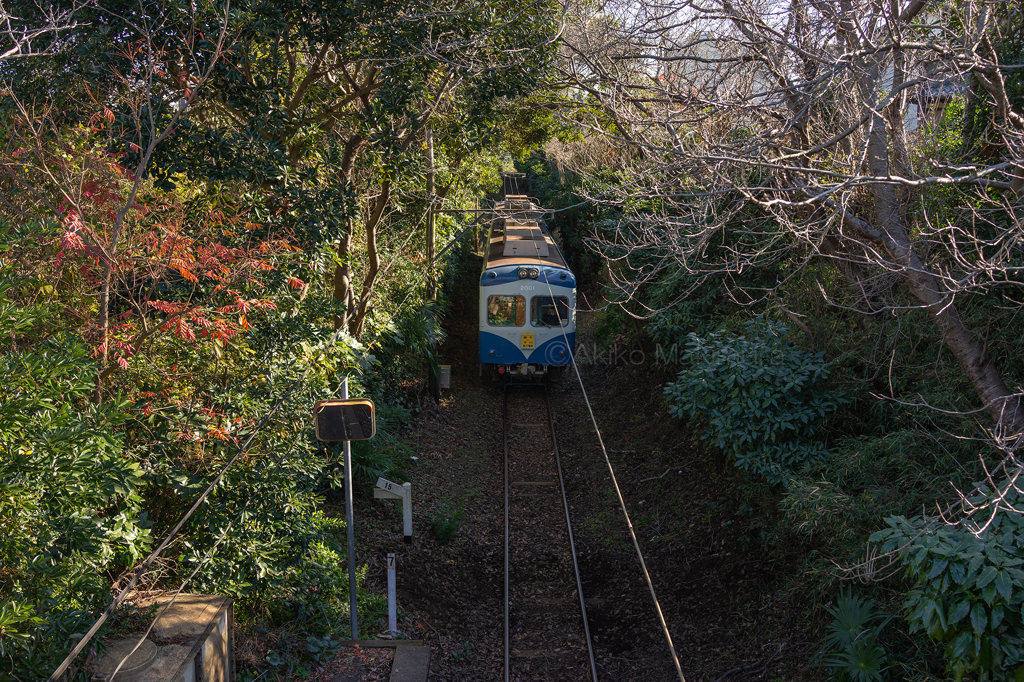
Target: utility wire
<point x="73" y="654"/>
<point x="205" y="560"/>
<point x="437" y="257"/>
<point x="62" y="668"/>
<point x="618" y="491"/>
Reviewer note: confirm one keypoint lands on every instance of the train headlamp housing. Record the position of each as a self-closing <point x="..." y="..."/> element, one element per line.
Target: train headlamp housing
<point x="534" y="272"/>
<point x="523" y="273"/>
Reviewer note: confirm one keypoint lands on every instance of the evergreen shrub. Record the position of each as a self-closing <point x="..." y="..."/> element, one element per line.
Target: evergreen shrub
<point x="70" y="500"/>
<point x="763" y="397"/>
<point x="968" y="585"/>
<point x="853" y="651"/>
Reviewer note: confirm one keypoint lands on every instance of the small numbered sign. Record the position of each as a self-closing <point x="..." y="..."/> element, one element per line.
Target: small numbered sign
<point x="527" y="340"/>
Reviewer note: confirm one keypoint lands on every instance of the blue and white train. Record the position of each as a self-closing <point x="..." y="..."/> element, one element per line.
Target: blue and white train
<point x="527" y="306"/>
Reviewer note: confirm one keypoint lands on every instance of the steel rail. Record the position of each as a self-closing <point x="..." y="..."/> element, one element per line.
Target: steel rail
<point x="504" y="419"/>
<point x="572" y="541"/>
<point x="568" y="524"/>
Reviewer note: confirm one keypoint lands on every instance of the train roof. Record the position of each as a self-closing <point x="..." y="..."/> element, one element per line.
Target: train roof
<point x="520" y="237"/>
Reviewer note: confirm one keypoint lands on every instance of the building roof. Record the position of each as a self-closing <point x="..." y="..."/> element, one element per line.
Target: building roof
<point x="945" y="88"/>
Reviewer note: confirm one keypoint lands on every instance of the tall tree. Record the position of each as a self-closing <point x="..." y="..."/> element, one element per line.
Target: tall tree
<point x="825" y="117"/>
<point x="85" y="167"/>
<point x="324" y="106"/>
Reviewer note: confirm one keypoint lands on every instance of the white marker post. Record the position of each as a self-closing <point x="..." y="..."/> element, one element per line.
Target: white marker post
<point x="386" y="490"/>
<point x="392" y="607"/>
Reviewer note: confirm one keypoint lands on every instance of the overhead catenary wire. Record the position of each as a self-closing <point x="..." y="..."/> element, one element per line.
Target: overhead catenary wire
<point x="572" y="541"/>
<point x="618" y="492"/>
<point x="436" y="258"/>
<point x="73" y="654"/>
<point x="504" y="478"/>
<point x="62" y="668"/>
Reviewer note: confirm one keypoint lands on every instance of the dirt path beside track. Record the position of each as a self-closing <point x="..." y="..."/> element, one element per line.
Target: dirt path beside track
<point x="721" y="595"/>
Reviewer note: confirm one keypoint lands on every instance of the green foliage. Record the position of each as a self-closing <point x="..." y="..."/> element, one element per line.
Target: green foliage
<point x="446" y="523"/>
<point x="322" y="649"/>
<point x="696" y="313"/>
<point x="527" y="125"/>
<point x="464" y="653"/>
<point x="611" y="324"/>
<point x="81" y="481"/>
<point x="854" y="652"/>
<point x="313" y="592"/>
<point x="70" y="500"/>
<point x="762" y="397"/>
<point x="838" y="500"/>
<point x="408" y="345"/>
<point x="981" y="129"/>
<point x="557" y="189"/>
<point x="385" y="454"/>
<point x="968" y="586"/>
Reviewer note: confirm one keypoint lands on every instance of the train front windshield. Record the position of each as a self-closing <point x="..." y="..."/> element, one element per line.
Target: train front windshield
<point x="506" y="311"/>
<point x="546" y="311"/>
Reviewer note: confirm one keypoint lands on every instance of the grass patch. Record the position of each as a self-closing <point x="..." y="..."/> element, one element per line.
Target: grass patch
<point x="446" y="523"/>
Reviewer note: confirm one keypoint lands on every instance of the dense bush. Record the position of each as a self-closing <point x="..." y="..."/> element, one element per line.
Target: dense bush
<point x="410" y="344"/>
<point x="968" y="587"/>
<point x="762" y="397"/>
<point x="81" y="482"/>
<point x="70" y="500"/>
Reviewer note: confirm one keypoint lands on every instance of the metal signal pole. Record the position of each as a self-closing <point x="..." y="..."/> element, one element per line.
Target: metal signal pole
<point x="350" y="523"/>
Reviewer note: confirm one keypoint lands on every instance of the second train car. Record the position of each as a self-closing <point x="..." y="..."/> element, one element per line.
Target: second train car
<point x="527" y="306"/>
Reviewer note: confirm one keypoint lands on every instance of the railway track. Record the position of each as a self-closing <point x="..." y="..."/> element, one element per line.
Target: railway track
<point x="546" y="631"/>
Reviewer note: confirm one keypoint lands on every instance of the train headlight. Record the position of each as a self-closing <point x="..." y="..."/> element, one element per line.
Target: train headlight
<point x="563" y="275"/>
<point x="534" y="272"/>
<point x="523" y="273"/>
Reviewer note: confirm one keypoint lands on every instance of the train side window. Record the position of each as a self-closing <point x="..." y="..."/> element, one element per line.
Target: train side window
<point x="548" y="312"/>
<point x="506" y="311"/>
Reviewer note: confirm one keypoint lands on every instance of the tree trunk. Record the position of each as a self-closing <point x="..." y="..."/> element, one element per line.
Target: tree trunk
<point x="931" y="291"/>
<point x="343" y="272"/>
<point x="103" y="321"/>
<point x="343" y="277"/>
<point x="377" y="206"/>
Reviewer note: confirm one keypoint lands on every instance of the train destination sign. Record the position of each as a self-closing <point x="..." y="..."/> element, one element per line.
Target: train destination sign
<point x="342" y="420"/>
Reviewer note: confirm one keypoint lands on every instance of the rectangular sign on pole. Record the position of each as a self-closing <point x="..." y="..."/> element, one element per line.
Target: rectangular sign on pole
<point x="344" y="419"/>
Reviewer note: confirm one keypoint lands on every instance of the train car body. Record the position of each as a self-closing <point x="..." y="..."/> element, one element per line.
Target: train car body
<point x="527" y="307"/>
